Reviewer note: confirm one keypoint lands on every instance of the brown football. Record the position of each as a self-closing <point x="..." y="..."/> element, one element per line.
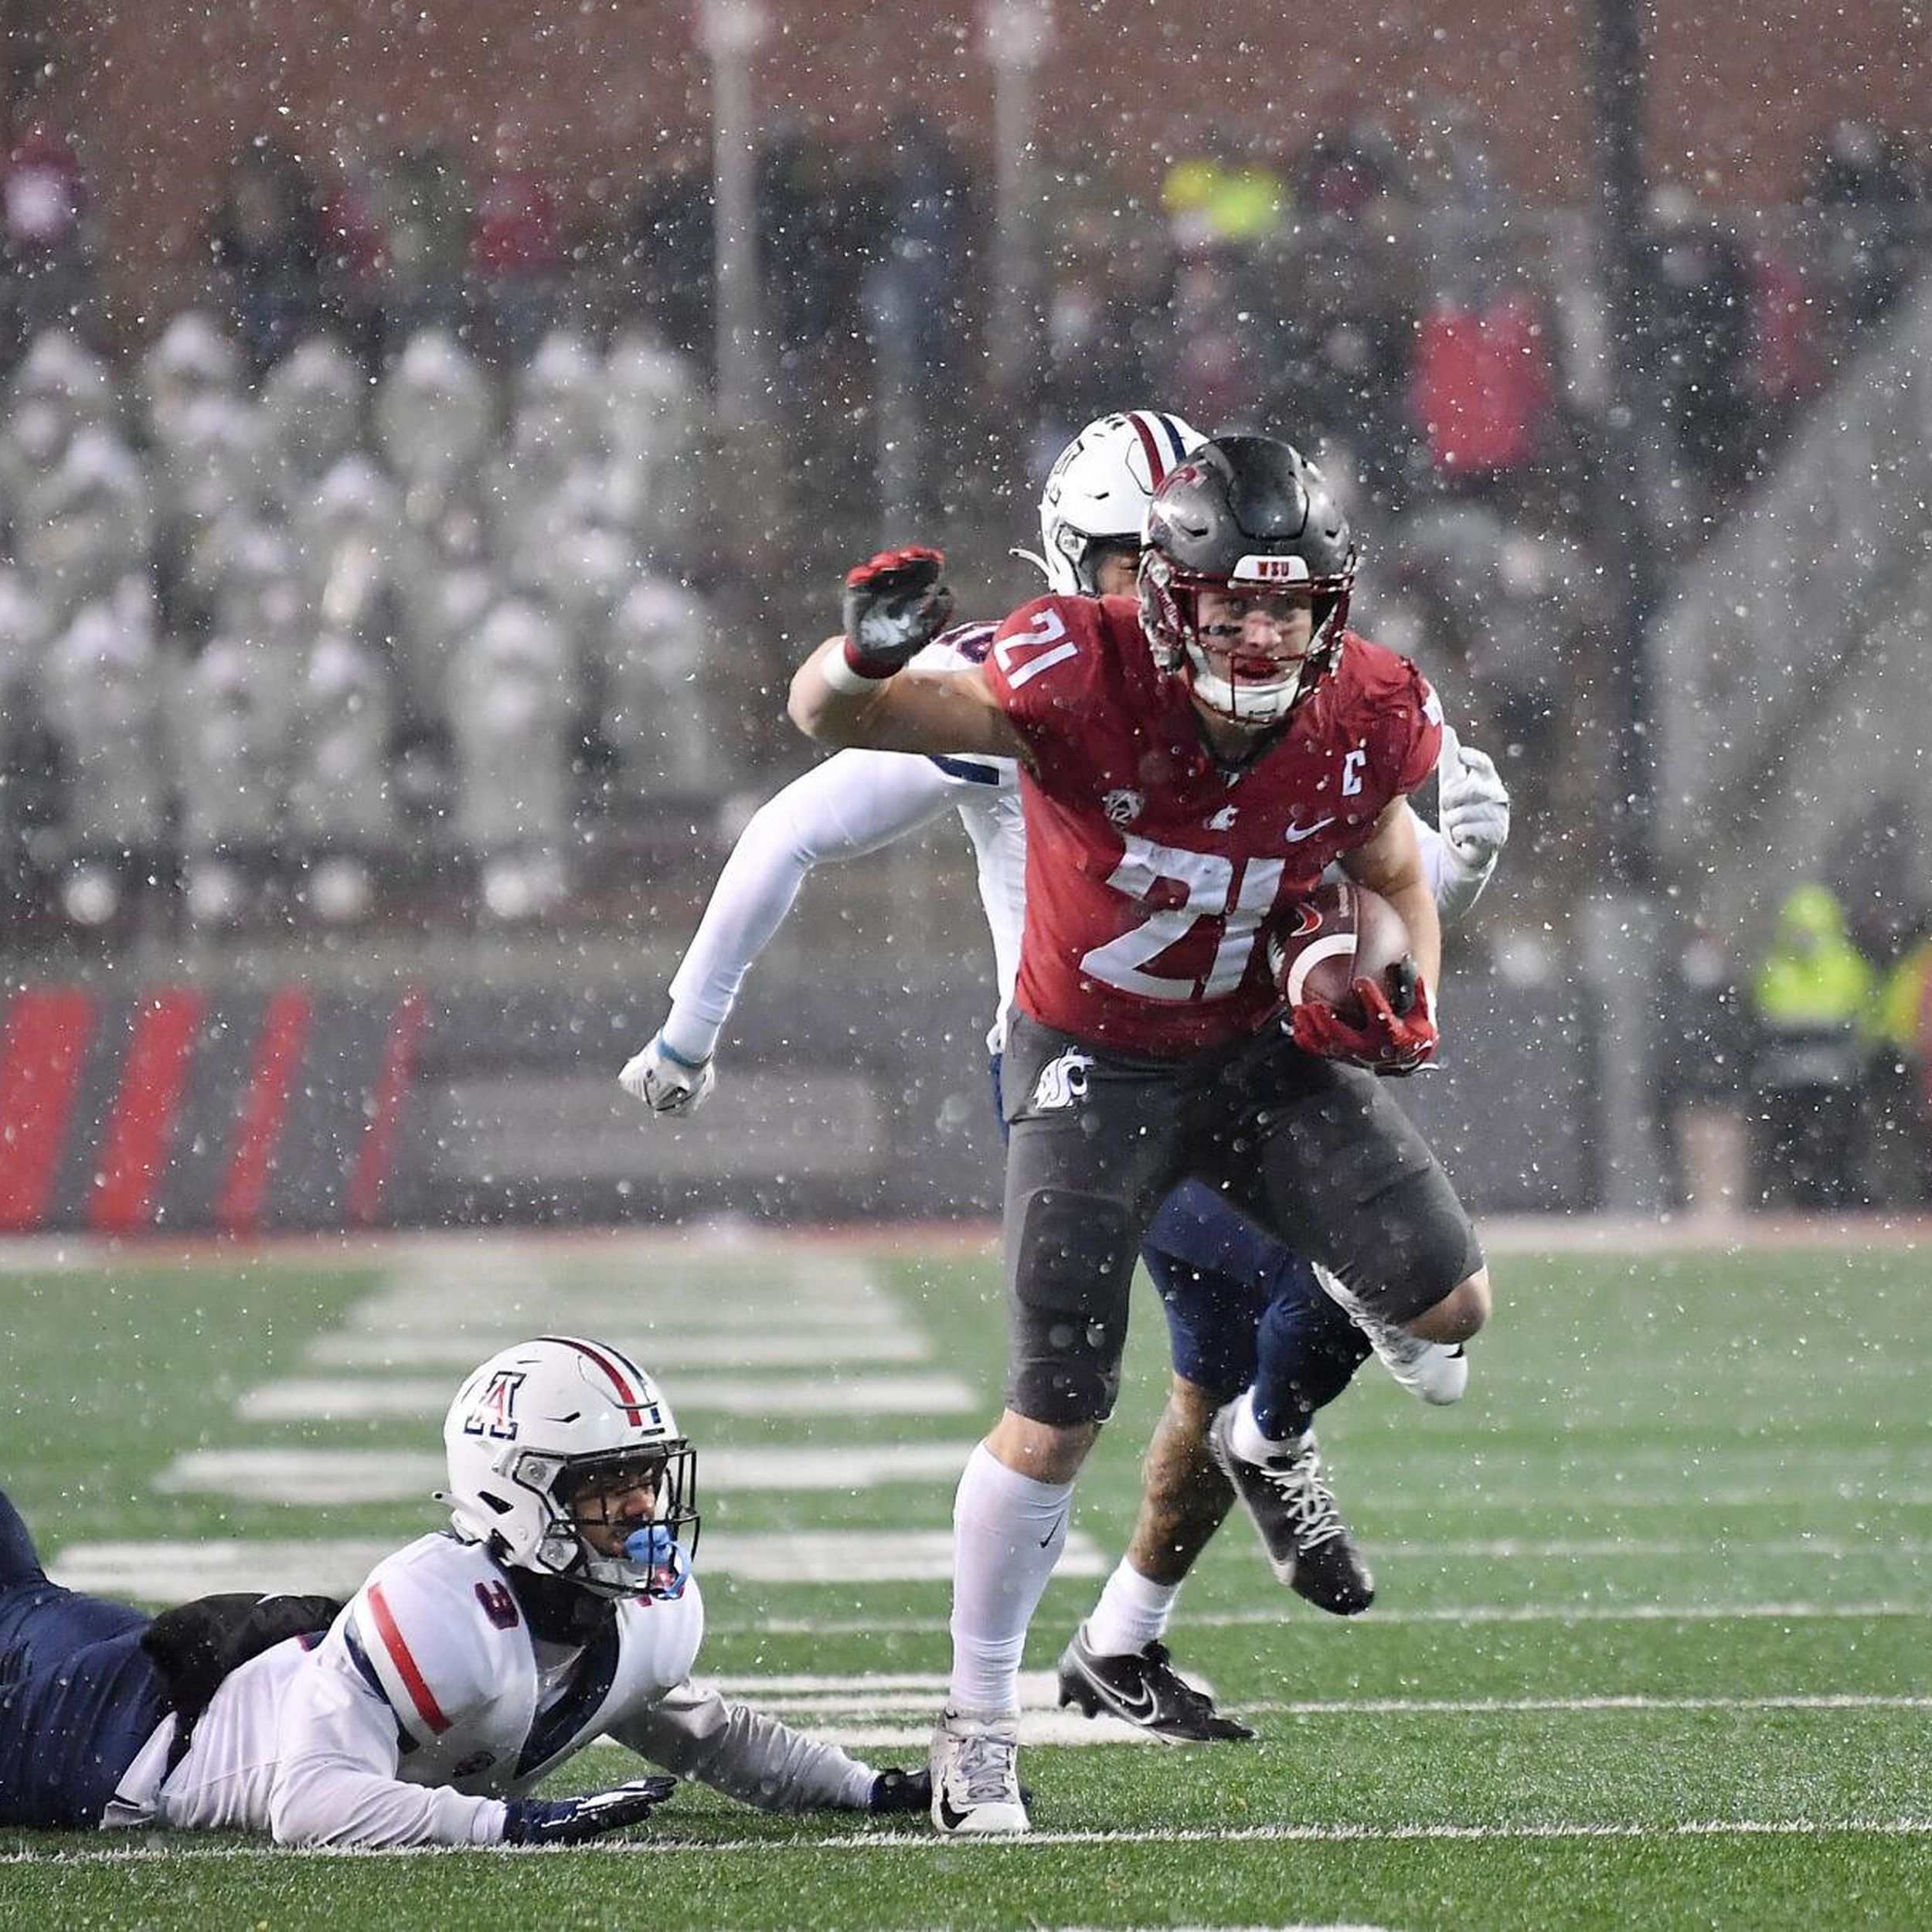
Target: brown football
<point x="1342" y="933"/>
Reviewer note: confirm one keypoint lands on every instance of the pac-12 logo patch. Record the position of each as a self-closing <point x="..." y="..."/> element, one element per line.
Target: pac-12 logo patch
<point x="1062" y="1081"/>
<point x="494" y="1412"/>
<point x="1123" y="807"/>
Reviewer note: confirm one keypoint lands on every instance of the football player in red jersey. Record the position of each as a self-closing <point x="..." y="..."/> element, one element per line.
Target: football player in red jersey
<point x="1190" y="766"/>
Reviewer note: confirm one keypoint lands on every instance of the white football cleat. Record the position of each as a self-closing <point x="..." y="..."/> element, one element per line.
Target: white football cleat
<point x="1435" y="1372"/>
<point x="975" y="1765"/>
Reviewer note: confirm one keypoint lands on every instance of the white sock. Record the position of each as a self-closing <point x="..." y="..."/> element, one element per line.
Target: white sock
<point x="1007" y="1533"/>
<point x="1132" y="1613"/>
<point x="1245" y="1437"/>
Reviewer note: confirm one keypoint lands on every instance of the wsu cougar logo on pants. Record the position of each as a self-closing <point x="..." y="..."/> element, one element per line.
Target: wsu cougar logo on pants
<point x="1062" y="1082"/>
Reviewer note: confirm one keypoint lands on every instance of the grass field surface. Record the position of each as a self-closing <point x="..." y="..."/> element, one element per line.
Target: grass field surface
<point x="1651" y="1647"/>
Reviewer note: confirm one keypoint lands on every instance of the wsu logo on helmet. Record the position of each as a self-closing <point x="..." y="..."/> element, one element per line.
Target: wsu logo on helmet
<point x="494" y="1412"/>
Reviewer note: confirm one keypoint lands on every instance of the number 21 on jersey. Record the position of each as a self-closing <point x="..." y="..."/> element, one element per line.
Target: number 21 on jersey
<point x="1217" y="889"/>
<point x="1046" y="635"/>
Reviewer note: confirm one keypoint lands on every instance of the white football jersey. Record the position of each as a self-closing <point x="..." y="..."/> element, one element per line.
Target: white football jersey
<point x="430" y="1700"/>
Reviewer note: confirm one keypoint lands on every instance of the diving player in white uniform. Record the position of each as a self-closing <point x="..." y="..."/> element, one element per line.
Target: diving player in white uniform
<point x="1242" y="1313"/>
<point x="559" y="1606"/>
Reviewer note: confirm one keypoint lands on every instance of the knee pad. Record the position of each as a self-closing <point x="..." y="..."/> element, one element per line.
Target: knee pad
<point x="1073" y="1269"/>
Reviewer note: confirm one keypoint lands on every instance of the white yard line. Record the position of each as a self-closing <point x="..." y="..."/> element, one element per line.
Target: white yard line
<point x="1281" y="1611"/>
<point x="172" y="1571"/>
<point x="318" y="1398"/>
<point x="823" y="1340"/>
<point x="333" y="1477"/>
<point x="662" y="1844"/>
<point x="1837" y="1549"/>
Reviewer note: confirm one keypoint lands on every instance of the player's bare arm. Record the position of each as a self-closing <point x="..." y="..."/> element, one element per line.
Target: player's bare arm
<point x="923" y="711"/>
<point x="1389" y="862"/>
<point x="854" y="689"/>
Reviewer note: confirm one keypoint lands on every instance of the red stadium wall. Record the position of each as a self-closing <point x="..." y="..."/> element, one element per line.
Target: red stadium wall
<point x="161" y="95"/>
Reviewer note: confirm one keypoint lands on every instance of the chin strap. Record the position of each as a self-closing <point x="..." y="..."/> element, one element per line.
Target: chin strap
<point x="1037" y="562"/>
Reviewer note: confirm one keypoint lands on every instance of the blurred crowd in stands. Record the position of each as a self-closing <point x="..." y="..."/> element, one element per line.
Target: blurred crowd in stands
<point x="389" y="571"/>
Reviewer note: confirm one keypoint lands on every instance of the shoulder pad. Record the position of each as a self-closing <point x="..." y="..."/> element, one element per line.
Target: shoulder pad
<point x="423" y="1631"/>
<point x="964" y="644"/>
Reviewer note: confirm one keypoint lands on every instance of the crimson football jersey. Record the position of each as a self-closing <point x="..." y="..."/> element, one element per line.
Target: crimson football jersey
<point x="1154" y="873"/>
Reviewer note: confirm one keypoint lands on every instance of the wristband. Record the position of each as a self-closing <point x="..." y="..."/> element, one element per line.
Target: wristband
<point x="845" y="671"/>
<point x="682" y="1061"/>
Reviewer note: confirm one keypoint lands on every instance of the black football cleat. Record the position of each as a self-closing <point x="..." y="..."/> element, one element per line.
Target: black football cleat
<point x="1143" y="1688"/>
<point x="1302" y="1528"/>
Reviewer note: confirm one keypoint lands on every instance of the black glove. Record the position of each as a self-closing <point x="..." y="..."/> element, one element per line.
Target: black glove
<point x="576" y="1820"/>
<point x="894" y="606"/>
<point x="897" y="1790"/>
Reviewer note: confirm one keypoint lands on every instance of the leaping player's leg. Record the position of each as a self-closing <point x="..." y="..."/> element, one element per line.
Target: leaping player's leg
<point x="1117" y="1663"/>
<point x="1306" y="1352"/>
<point x="1436" y="1373"/>
<point x="1205" y="1263"/>
<point x="1078" y="1188"/>
<point x="1345" y="1178"/>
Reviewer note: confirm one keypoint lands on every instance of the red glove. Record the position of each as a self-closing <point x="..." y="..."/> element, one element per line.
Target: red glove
<point x="1386" y="1042"/>
<point x="894" y="606"/>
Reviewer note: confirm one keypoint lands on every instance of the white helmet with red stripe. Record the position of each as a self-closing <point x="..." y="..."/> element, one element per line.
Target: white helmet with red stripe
<point x="1098" y="490"/>
<point x="535" y="1424"/>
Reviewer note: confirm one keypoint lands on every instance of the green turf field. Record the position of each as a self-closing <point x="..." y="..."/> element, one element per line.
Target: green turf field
<point x="1651" y="1648"/>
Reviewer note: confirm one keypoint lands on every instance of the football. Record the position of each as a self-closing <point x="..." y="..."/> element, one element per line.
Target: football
<point x="1342" y="933"/>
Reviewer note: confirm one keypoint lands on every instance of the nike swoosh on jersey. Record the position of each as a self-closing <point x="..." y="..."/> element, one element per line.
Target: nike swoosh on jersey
<point x="1297" y="833"/>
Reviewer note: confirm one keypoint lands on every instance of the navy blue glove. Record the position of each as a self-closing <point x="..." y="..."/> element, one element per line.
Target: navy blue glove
<point x="576" y="1820"/>
<point x="897" y="1790"/>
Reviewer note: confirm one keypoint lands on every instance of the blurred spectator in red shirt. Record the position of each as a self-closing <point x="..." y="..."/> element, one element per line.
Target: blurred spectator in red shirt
<point x="1484" y="390"/>
<point x="517" y="250"/>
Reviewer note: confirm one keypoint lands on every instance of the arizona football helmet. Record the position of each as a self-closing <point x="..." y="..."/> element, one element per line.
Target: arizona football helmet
<point x="1245" y="515"/>
<point x="535" y="1424"/>
<point x="1098" y="490"/>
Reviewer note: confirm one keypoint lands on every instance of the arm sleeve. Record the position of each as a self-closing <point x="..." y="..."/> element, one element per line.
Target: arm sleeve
<point x="697" y="1733"/>
<point x="1456" y="885"/>
<point x="851" y="804"/>
<point x="336" y="1781"/>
